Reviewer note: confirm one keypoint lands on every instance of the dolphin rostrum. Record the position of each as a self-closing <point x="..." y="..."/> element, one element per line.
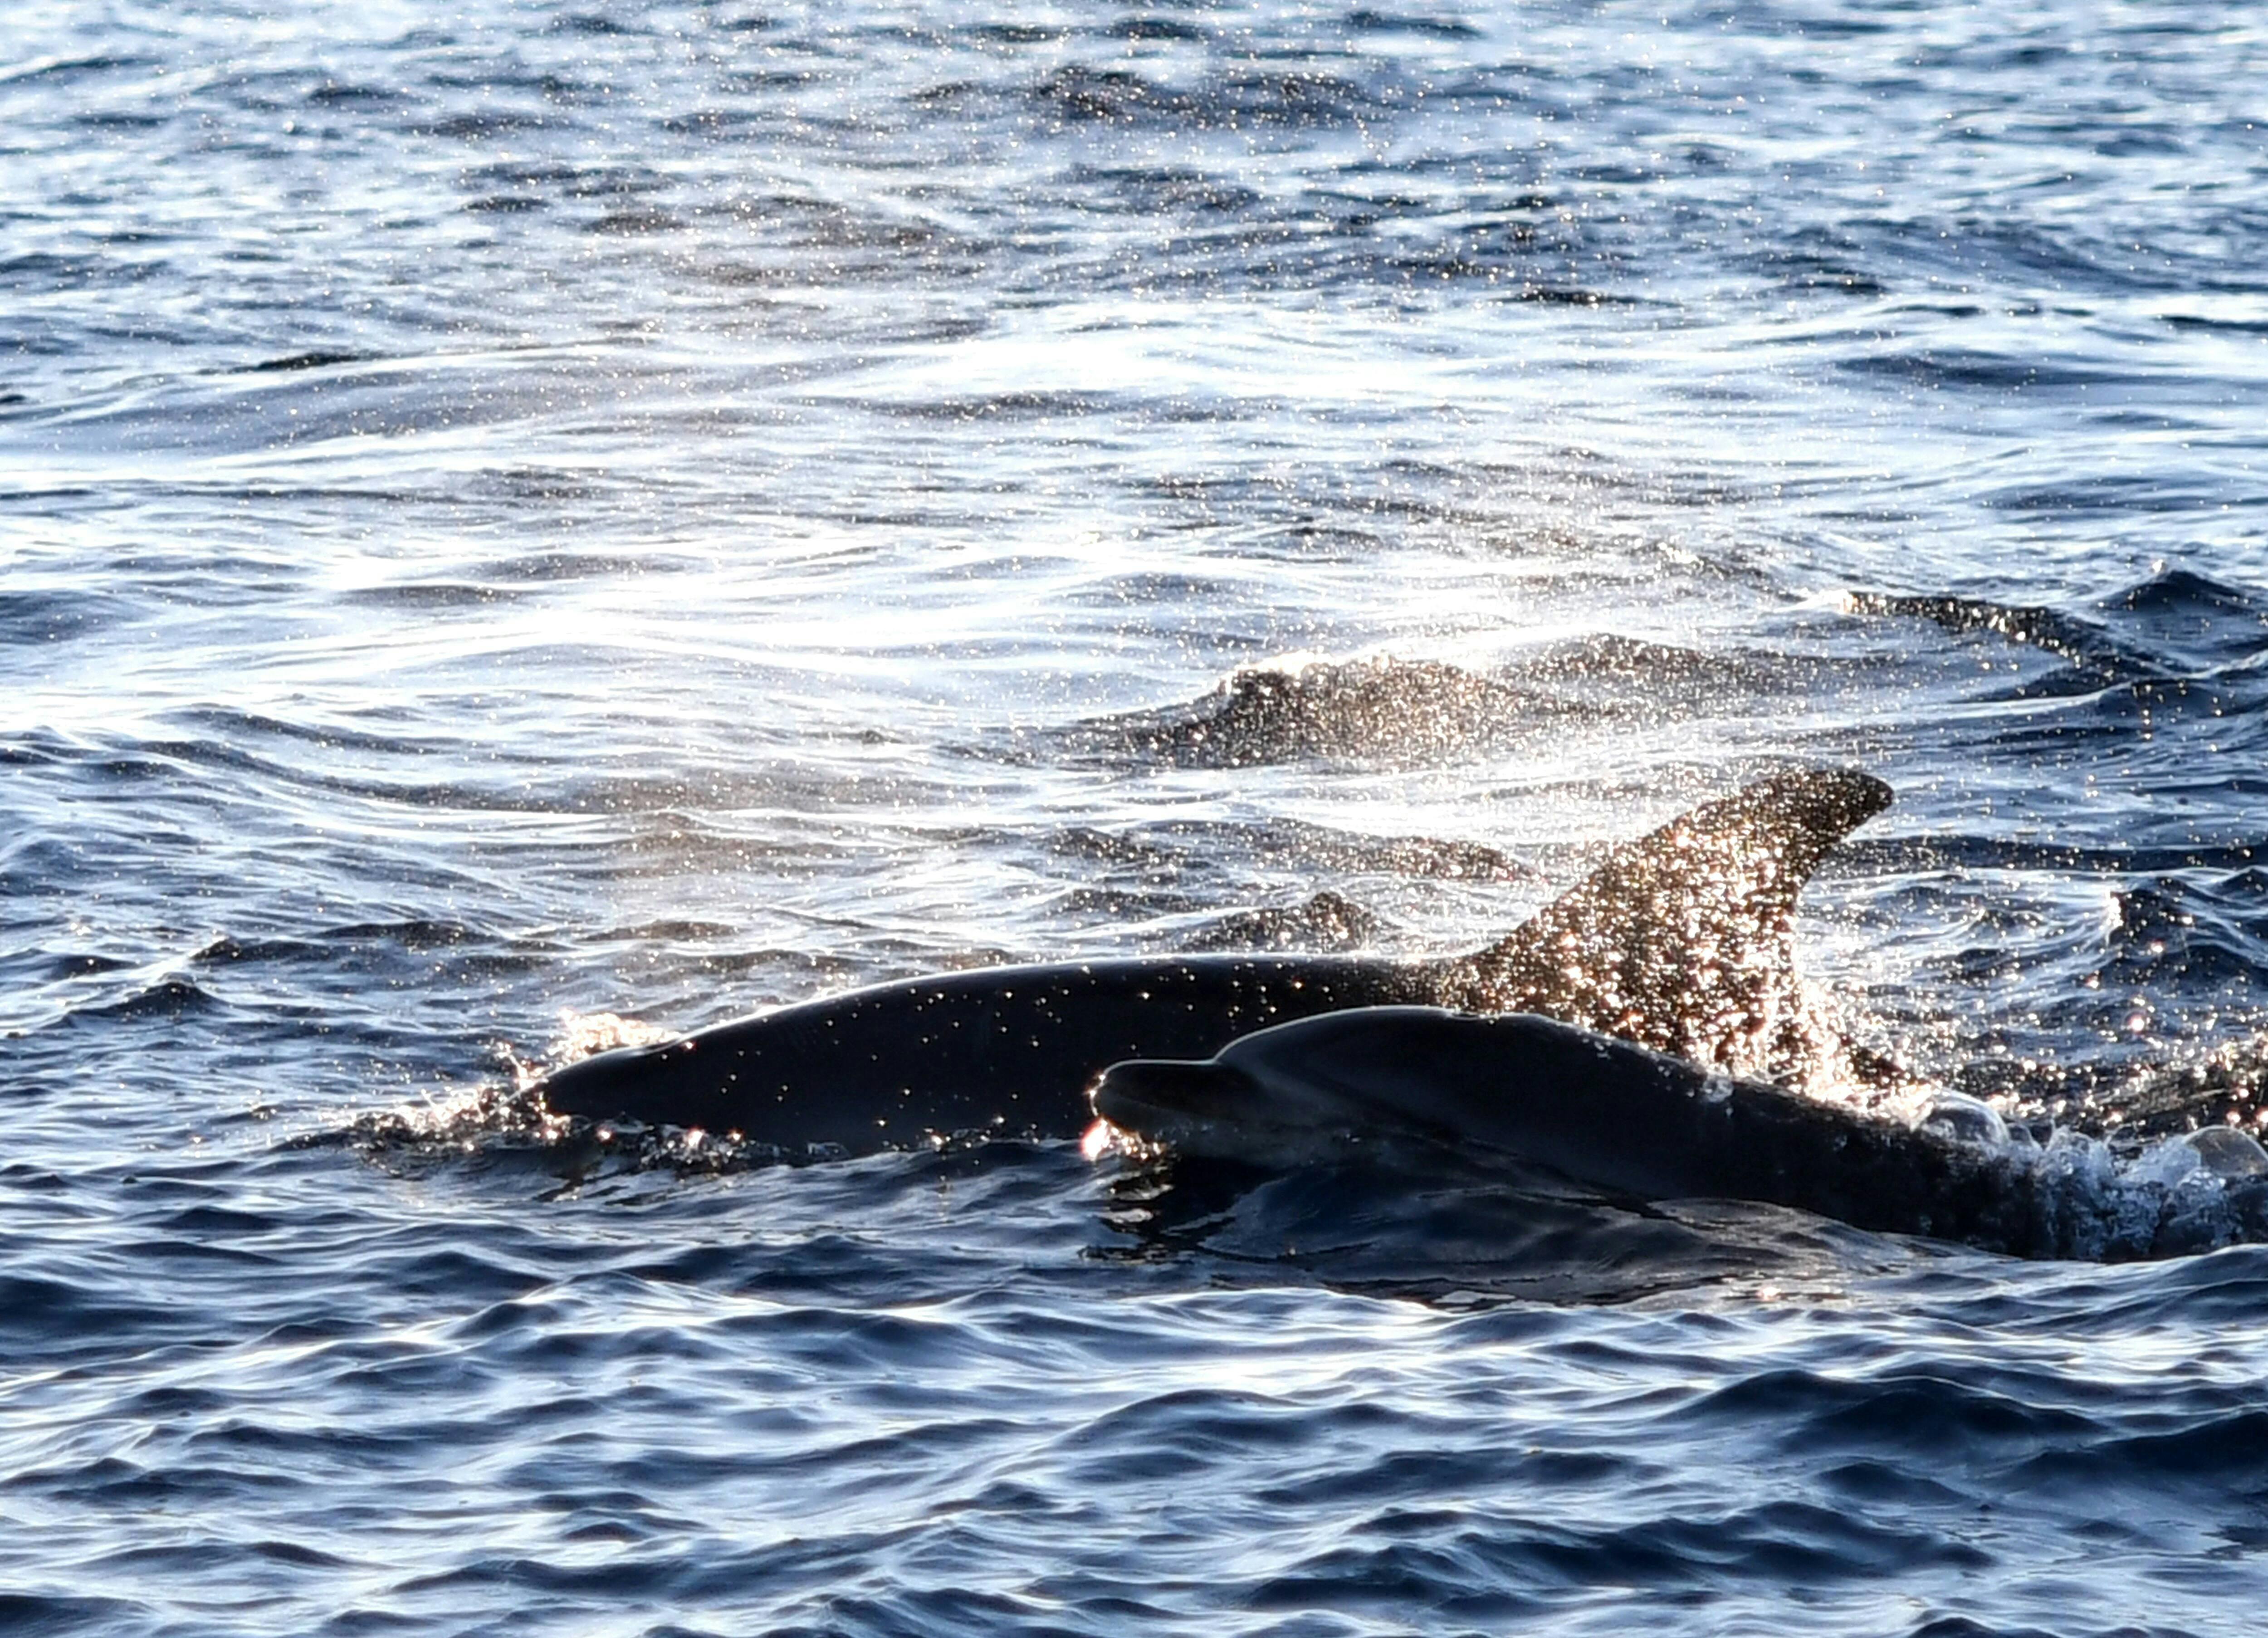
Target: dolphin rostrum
<point x="1679" y="942"/>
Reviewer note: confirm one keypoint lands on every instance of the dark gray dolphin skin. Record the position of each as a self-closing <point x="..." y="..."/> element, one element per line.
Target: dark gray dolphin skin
<point x="1679" y="940"/>
<point x="1604" y="1114"/>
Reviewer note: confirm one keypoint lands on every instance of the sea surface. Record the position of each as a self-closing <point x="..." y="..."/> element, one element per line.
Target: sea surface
<point x="522" y="523"/>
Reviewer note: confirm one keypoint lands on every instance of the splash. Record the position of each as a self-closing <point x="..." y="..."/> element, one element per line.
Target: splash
<point x="584" y="1034"/>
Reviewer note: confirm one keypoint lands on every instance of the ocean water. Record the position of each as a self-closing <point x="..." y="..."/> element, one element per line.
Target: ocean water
<point x="520" y="521"/>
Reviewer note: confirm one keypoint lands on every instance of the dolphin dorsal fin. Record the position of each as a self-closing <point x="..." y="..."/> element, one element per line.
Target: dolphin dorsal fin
<point x="1681" y="940"/>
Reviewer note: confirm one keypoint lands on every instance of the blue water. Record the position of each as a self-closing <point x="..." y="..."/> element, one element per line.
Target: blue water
<point x="515" y="518"/>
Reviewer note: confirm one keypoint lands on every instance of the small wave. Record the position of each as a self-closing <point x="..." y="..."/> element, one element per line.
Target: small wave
<point x="621" y="224"/>
<point x="1419" y="711"/>
<point x="2230" y="1447"/>
<point x="1145" y="191"/>
<point x="1123" y="905"/>
<point x="1192" y="847"/>
<point x="172" y="997"/>
<point x="1665" y="679"/>
<point x="1327" y="921"/>
<point x="46" y="273"/>
<point x="2172" y="930"/>
<point x="29" y="617"/>
<point x="1903" y="855"/>
<point x="337" y="93"/>
<point x="232" y="724"/>
<point x="1010" y="406"/>
<point x="590" y="24"/>
<point x="321" y="359"/>
<point x="76" y="964"/>
<point x="2175" y="627"/>
<point x="59" y="71"/>
<point x="2201" y="619"/>
<point x="2205" y="321"/>
<point x="2082" y="642"/>
<point x="1299" y="99"/>
<point x="1958" y="367"/>
<point x="430" y="594"/>
<point x="2225" y="1086"/>
<point x="1904" y="1415"/>
<point x="1365" y="21"/>
<point x="34" y="1305"/>
<point x="162" y="762"/>
<point x="1156" y="28"/>
<point x="485" y="127"/>
<point x="1395" y="708"/>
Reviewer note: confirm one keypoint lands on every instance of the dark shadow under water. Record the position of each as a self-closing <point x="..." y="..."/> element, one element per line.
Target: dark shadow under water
<point x="1453" y="1236"/>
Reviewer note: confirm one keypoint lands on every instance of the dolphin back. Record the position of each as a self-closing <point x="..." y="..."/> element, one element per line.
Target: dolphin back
<point x="1007" y="1051"/>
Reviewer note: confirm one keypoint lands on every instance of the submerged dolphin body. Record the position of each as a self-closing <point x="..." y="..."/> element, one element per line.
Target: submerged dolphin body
<point x="1679" y="941"/>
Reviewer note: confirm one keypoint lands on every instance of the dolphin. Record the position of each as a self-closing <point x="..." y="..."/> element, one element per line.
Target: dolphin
<point x="1604" y="1114"/>
<point x="1679" y="942"/>
<point x="1518" y="1093"/>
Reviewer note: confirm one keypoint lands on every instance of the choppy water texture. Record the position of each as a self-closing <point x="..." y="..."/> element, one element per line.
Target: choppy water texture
<point x="512" y="514"/>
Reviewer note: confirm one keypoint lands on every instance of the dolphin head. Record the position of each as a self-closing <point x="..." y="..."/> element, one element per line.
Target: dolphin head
<point x="1394" y="1084"/>
<point x="1217" y="1110"/>
<point x="1297" y="1092"/>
